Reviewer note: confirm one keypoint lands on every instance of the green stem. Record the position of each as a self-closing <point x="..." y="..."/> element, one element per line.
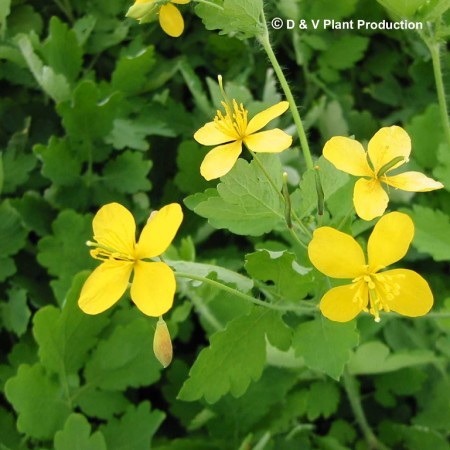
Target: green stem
<point x="240" y="294"/>
<point x="214" y="5"/>
<point x="354" y="398"/>
<point x="437" y="69"/>
<point x="265" y="42"/>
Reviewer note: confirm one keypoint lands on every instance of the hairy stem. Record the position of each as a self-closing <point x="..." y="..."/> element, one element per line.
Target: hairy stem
<point x="265" y="42"/>
<point x="240" y="294"/>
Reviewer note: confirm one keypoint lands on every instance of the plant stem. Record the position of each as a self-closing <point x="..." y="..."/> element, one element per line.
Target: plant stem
<point x="437" y="69"/>
<point x="354" y="398"/>
<point x="265" y="42"/>
<point x="214" y="5"/>
<point x="240" y="294"/>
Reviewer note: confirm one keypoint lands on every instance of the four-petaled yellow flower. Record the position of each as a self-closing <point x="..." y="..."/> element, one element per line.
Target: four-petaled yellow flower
<point x="388" y="149"/>
<point x="170" y="18"/>
<point x="153" y="285"/>
<point x="338" y="255"/>
<point x="232" y="129"/>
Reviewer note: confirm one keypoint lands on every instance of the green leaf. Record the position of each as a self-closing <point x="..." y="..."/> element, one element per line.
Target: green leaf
<point x="322" y="400"/>
<point x="402" y="9"/>
<point x="76" y="435"/>
<point x="9" y="437"/>
<point x="125" y="359"/>
<point x="12" y="232"/>
<point x="38" y="401"/>
<point x="132" y="71"/>
<point x="242" y="415"/>
<point x="132" y="133"/>
<point x="304" y="199"/>
<point x="246" y="203"/>
<point x="66" y="336"/>
<point x="325" y="345"/>
<point x="189" y="157"/>
<point x="88" y="116"/>
<point x="128" y="173"/>
<point x="422" y="139"/>
<point x="16" y="160"/>
<point x="102" y="404"/>
<point x="53" y="84"/>
<point x="65" y="253"/>
<point x="330" y="9"/>
<point x="345" y="52"/>
<point x="60" y="163"/>
<point x="62" y="50"/>
<point x="5" y="9"/>
<point x="375" y="357"/>
<point x="432" y="228"/>
<point x="134" y="430"/>
<point x="195" y="86"/>
<point x="442" y="169"/>
<point x="36" y="213"/>
<point x="235" y="357"/>
<point x="292" y="282"/>
<point x="7" y="268"/>
<point x="238" y="17"/>
<point x="15" y="314"/>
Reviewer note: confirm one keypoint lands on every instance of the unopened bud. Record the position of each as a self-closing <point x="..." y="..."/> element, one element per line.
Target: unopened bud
<point x="162" y="344"/>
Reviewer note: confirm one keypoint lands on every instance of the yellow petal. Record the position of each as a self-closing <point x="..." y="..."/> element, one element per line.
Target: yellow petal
<point x="344" y="303"/>
<point x="369" y="198"/>
<point x="171" y="20"/>
<point x="153" y="287"/>
<point x="210" y="134"/>
<point x="114" y="227"/>
<point x="220" y="160"/>
<point x="389" y="143"/>
<point x="270" y="141"/>
<point x="104" y="287"/>
<point x="159" y="231"/>
<point x="390" y="240"/>
<point x="180" y="2"/>
<point x="412" y="295"/>
<point x="413" y="182"/>
<point x="347" y="155"/>
<point x="336" y="254"/>
<point x="261" y="119"/>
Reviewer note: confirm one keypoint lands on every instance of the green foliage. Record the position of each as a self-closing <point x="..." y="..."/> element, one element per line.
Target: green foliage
<point x="96" y="109"/>
<point x="292" y="282"/>
<point x="325" y="345"/>
<point x="243" y="202"/>
<point x="432" y="228"/>
<point x="235" y="357"/>
<point x="38" y="401"/>
<point x="76" y="436"/>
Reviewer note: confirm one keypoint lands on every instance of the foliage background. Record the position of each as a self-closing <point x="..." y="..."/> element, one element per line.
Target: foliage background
<point x="97" y="109"/>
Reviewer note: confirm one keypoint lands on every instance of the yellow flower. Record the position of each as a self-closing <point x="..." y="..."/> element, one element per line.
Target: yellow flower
<point x="232" y="129"/>
<point x="338" y="255"/>
<point x="170" y="18"/>
<point x="153" y="285"/>
<point x="388" y="149"/>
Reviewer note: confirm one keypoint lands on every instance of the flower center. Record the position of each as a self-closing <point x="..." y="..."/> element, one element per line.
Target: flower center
<point x="382" y="290"/>
<point x="234" y="122"/>
<point x="105" y="253"/>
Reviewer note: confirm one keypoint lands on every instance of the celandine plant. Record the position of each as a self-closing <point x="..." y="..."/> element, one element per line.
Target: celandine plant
<point x="311" y="279"/>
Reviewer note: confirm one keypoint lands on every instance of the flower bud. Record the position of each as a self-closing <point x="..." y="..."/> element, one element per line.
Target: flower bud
<point x="162" y="344"/>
